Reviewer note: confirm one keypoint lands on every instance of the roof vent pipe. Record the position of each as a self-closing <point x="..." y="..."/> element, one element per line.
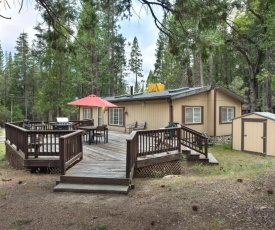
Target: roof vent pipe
<point x="131" y="90"/>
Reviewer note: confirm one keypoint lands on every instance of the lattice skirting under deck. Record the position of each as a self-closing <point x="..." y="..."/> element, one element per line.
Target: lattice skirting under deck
<point x="14" y="160"/>
<point x="159" y="170"/>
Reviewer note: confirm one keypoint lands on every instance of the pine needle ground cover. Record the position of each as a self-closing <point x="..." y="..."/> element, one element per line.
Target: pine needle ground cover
<point x="236" y="194"/>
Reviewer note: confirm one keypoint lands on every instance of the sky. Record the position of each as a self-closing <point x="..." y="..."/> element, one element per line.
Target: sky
<point x="140" y="25"/>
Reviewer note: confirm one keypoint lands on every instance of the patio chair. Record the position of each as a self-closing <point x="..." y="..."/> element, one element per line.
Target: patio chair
<point x="140" y="126"/>
<point x="36" y="141"/>
<point x="85" y="134"/>
<point x="100" y="133"/>
<point x="131" y="126"/>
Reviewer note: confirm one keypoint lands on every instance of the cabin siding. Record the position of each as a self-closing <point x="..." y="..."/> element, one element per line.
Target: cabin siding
<point x="199" y="100"/>
<point x="94" y="114"/>
<point x="210" y="113"/>
<point x="223" y="100"/>
<point x="154" y="113"/>
<point x="158" y="112"/>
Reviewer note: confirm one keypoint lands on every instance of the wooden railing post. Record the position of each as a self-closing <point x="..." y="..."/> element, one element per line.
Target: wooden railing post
<point x="195" y="140"/>
<point x="62" y="155"/>
<point x="128" y="158"/>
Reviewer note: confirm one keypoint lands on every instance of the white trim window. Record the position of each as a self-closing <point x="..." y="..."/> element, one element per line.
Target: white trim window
<point x="116" y="116"/>
<point x="193" y="115"/>
<point x="87" y="113"/>
<point x="227" y="114"/>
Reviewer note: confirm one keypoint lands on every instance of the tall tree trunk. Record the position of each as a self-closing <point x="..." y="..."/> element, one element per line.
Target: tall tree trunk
<point x="211" y="69"/>
<point x="252" y="91"/>
<point x="189" y="76"/>
<point x="94" y="71"/>
<point x="268" y="93"/>
<point x="201" y="71"/>
<point x="112" y="66"/>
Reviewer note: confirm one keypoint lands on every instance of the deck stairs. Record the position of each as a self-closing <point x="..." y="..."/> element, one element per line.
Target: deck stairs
<point x="102" y="170"/>
<point x="194" y="156"/>
<point x="98" y="177"/>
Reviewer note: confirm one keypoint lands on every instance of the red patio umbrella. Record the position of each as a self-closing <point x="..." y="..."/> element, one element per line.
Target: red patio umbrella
<point x="92" y="100"/>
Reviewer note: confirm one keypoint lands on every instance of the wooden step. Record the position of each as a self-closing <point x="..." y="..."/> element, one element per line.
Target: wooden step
<point x="91" y="188"/>
<point x="94" y="180"/>
<point x="212" y="159"/>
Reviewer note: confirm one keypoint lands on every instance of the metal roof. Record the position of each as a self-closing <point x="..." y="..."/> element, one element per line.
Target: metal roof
<point x="171" y="94"/>
<point x="266" y="114"/>
<point x="262" y="114"/>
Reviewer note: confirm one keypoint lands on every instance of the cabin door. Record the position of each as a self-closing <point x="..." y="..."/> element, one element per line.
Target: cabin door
<point x="99" y="116"/>
<point x="254" y="135"/>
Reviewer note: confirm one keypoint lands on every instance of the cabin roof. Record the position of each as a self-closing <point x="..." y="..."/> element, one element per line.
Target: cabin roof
<point x="169" y="94"/>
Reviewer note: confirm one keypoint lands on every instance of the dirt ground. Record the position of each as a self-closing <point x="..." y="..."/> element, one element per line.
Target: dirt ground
<point x="188" y="201"/>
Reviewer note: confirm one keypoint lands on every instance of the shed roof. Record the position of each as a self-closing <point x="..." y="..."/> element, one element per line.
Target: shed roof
<point x="262" y="114"/>
<point x="171" y="94"/>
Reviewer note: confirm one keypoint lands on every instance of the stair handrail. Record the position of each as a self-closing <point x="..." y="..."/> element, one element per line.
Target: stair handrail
<point x="194" y="140"/>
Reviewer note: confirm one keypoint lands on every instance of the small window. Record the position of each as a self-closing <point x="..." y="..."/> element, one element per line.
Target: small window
<point x="192" y="115"/>
<point x="116" y="116"/>
<point x="227" y="114"/>
<point x="87" y="114"/>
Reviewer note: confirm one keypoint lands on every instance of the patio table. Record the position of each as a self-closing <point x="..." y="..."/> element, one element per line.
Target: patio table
<point x="89" y="129"/>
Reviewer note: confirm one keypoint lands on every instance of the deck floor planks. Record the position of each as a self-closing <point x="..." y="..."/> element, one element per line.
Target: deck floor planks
<point x="103" y="160"/>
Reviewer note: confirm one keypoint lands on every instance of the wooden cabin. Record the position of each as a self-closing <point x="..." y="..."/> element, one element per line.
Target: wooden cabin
<point x="205" y="109"/>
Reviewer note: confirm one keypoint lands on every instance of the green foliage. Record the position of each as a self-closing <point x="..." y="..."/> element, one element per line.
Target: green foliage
<point x="157" y="174"/>
<point x="17" y="114"/>
<point x="238" y="87"/>
<point x="204" y="43"/>
<point x="101" y="227"/>
<point x="4" y="115"/>
<point x="219" y="223"/>
<point x="233" y="162"/>
<point x="135" y="62"/>
<point x="2" y="152"/>
<point x="21" y="222"/>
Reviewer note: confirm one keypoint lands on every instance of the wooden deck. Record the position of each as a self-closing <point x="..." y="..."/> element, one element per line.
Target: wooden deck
<point x="103" y="168"/>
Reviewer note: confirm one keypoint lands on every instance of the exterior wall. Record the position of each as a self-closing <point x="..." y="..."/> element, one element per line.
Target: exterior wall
<point x="210" y="113"/>
<point x="270" y="143"/>
<point x="194" y="100"/>
<point x="206" y="100"/>
<point x="154" y="113"/>
<point x="94" y="114"/>
<point x="270" y="134"/>
<point x="223" y="100"/>
<point x="237" y="134"/>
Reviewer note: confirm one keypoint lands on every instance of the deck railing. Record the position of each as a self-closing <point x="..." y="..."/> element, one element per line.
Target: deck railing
<point x="35" y="142"/>
<point x="131" y="153"/>
<point x="71" y="150"/>
<point x="148" y="142"/>
<point x="65" y="144"/>
<point x="194" y="140"/>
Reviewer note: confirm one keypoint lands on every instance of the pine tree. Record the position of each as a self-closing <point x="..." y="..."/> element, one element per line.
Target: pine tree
<point x="21" y="76"/>
<point x="135" y="62"/>
<point x="2" y="85"/>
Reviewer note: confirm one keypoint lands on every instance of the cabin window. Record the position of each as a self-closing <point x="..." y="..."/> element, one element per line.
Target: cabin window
<point x="227" y="114"/>
<point x="116" y="116"/>
<point x="87" y="113"/>
<point x="192" y="115"/>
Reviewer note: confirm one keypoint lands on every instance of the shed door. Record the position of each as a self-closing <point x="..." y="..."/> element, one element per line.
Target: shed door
<point x="254" y="135"/>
